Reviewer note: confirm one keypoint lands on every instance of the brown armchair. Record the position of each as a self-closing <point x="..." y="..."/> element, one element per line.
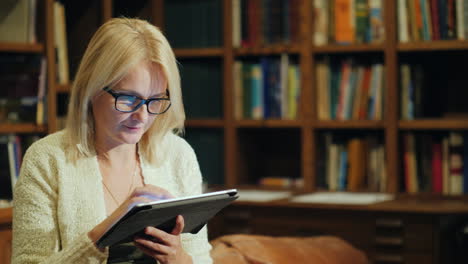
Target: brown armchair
<point x="255" y="249"/>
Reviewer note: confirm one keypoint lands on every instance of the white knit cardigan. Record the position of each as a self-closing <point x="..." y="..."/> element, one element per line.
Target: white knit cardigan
<point x="56" y="203"/>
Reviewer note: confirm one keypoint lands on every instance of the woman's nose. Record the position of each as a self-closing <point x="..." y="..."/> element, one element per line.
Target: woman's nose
<point x="141" y="113"/>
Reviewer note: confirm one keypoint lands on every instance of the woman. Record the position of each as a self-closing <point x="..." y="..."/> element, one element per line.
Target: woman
<point x="118" y="145"/>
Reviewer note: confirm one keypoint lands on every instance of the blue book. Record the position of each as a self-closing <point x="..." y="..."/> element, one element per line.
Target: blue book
<point x="274" y="89"/>
<point x="343" y="174"/>
<point x="265" y="64"/>
<point x="351" y="93"/>
<point x="425" y="17"/>
<point x="443" y="19"/>
<point x="334" y="86"/>
<point x="257" y="93"/>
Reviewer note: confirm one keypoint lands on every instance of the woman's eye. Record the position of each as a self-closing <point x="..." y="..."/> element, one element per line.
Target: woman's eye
<point x="127" y="99"/>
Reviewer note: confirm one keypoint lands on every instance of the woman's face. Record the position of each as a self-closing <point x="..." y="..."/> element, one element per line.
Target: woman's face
<point x="113" y="127"/>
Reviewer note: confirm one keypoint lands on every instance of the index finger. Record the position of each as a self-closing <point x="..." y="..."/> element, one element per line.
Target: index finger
<point x="152" y="192"/>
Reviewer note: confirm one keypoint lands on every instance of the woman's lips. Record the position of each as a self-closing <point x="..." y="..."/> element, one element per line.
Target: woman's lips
<point x="133" y="128"/>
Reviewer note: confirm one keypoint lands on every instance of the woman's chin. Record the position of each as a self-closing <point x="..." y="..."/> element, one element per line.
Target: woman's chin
<point x="131" y="138"/>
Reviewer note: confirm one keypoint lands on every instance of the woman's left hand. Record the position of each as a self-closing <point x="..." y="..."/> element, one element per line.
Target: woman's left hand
<point x="164" y="247"/>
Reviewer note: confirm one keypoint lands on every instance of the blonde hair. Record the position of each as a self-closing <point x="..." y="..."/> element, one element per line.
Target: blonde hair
<point x="115" y="48"/>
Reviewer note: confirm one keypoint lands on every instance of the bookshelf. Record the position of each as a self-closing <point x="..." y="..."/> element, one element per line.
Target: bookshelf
<point x="307" y="129"/>
<point x="83" y="20"/>
<point x="40" y="44"/>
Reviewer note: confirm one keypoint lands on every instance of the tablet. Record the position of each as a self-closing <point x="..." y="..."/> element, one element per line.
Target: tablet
<point x="196" y="210"/>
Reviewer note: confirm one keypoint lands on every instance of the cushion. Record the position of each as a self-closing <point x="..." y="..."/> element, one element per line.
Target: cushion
<point x="256" y="249"/>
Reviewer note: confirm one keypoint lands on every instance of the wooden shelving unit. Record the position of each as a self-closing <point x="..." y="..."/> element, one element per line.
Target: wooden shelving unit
<point x="433" y="46"/>
<point x="352" y="124"/>
<point x="356" y="48"/>
<point x="195" y="53"/>
<point x="270" y="50"/>
<point x="434" y="124"/>
<point x="22" y="47"/>
<point x="22" y="128"/>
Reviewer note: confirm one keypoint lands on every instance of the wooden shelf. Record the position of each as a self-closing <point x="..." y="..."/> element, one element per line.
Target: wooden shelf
<point x="6" y="215"/>
<point x="434" y="124"/>
<point x="21" y="47"/>
<point x="63" y="88"/>
<point x="292" y="189"/>
<point x="271" y="123"/>
<point x="204" y="123"/>
<point x="22" y="128"/>
<point x="354" y="48"/>
<point x="433" y="45"/>
<point x="270" y="50"/>
<point x="350" y="124"/>
<point x="199" y="52"/>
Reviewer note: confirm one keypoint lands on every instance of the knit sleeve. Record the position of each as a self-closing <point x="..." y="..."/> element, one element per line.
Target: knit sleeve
<point x="36" y="236"/>
<point x="195" y="244"/>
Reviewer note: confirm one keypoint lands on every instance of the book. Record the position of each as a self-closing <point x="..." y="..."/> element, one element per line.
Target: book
<point x="344" y="31"/>
<point x="321" y="22"/>
<point x="376" y="22"/>
<point x="357" y="164"/>
<point x="60" y="37"/>
<point x="14" y="21"/>
<point x="455" y="163"/>
<point x="196" y="210"/>
<point x="362" y="20"/>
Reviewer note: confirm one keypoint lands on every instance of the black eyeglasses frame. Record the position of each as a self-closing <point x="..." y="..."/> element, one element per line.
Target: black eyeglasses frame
<point x="142" y="101"/>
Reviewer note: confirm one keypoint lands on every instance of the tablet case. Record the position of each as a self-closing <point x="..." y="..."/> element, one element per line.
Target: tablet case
<point x="196" y="213"/>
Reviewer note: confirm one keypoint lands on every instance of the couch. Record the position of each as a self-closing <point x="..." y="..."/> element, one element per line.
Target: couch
<point x="256" y="249"/>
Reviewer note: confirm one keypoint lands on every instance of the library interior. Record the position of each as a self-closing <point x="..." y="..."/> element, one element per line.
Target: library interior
<point x="340" y="122"/>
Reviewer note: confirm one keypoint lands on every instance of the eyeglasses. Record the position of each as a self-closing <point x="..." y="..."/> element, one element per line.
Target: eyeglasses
<point x="128" y="103"/>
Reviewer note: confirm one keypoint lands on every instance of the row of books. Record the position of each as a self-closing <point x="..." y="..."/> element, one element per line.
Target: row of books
<point x="352" y="164"/>
<point x="411" y="83"/>
<point x="348" y="90"/>
<point x="348" y="21"/>
<point x="269" y="89"/>
<point x="265" y="22"/>
<point x="427" y="20"/>
<point x="201" y="25"/>
<point x="11" y="152"/>
<point x="23" y="95"/>
<point x="18" y="21"/>
<point x="281" y="182"/>
<point x="436" y="163"/>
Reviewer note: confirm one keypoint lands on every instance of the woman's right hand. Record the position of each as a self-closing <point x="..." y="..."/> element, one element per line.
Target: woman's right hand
<point x="144" y="194"/>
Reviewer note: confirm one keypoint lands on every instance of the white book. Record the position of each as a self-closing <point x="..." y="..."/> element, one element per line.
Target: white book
<point x="60" y="35"/>
<point x="321" y="22"/>
<point x="460" y="19"/>
<point x="236" y="23"/>
<point x="403" y="34"/>
<point x="32" y="21"/>
<point x="12" y="160"/>
<point x="14" y="21"/>
<point x="323" y="91"/>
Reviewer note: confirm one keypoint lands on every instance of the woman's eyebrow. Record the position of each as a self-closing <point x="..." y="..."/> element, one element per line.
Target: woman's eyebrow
<point x="158" y="95"/>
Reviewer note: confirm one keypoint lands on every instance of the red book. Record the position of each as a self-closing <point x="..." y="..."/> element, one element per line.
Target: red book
<point x="435" y="20"/>
<point x="437" y="168"/>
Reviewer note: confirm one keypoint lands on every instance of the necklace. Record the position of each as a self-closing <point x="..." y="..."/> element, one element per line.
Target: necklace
<point x="129" y="190"/>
